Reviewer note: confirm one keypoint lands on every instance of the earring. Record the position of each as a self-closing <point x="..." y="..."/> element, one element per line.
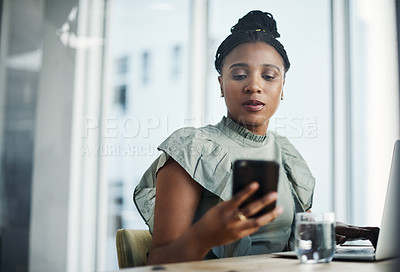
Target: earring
<point x="282" y="97"/>
<point x="222" y="95"/>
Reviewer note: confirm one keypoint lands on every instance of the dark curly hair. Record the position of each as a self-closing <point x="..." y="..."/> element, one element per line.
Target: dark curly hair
<point x="255" y="26"/>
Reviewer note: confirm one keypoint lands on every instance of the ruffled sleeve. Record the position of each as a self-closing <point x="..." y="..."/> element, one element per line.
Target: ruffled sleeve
<point x="203" y="159"/>
<point x="298" y="173"/>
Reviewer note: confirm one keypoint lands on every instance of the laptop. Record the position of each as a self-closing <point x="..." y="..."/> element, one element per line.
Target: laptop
<point x="387" y="246"/>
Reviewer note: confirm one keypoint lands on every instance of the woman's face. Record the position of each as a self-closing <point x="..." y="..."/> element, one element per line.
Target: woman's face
<point x="252" y="83"/>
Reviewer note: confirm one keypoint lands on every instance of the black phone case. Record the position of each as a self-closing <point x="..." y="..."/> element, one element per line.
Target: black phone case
<point x="266" y="173"/>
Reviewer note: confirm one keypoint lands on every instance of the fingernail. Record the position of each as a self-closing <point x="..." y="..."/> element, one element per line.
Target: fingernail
<point x="272" y="195"/>
<point x="253" y="185"/>
<point x="279" y="209"/>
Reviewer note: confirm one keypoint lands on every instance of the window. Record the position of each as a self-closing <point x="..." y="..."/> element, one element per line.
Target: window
<point x="121" y="96"/>
<point x="374" y="105"/>
<point x="20" y="65"/>
<point x="122" y="65"/>
<point x="154" y="105"/>
<point x="146" y="68"/>
<point x="176" y="61"/>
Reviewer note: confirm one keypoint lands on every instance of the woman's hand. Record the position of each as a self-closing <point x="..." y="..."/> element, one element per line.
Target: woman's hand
<point x="226" y="223"/>
<point x="345" y="232"/>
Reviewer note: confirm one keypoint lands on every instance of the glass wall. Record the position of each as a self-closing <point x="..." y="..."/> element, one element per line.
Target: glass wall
<point x="147" y="98"/>
<point x="20" y="58"/>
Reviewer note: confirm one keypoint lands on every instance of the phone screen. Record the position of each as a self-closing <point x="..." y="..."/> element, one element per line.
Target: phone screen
<point x="266" y="173"/>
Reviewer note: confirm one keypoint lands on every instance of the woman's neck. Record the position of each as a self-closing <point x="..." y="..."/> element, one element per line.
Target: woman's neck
<point x="260" y="129"/>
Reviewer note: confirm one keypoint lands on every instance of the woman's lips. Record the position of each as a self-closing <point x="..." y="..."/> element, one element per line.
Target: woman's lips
<point x="253" y="105"/>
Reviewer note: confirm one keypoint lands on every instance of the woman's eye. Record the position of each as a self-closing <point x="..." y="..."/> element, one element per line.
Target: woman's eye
<point x="239" y="77"/>
<point x="268" y="77"/>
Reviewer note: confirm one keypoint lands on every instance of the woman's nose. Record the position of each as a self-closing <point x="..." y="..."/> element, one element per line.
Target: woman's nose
<point x="253" y="86"/>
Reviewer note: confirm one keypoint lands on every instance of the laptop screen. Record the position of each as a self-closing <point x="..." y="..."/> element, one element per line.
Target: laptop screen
<point x="387" y="246"/>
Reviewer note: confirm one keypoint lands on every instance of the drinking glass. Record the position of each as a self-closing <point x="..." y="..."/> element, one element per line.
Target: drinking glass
<point x="315" y="237"/>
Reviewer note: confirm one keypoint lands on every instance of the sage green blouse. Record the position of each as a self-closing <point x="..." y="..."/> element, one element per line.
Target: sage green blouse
<point x="208" y="154"/>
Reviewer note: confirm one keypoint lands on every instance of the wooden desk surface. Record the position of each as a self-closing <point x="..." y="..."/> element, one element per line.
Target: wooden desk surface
<point x="267" y="263"/>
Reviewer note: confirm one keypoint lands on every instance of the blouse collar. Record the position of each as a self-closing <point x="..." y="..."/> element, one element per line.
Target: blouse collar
<point x="240" y="133"/>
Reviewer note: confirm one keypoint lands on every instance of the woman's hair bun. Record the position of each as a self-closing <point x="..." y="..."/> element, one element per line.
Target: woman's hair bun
<point x="255" y="26"/>
<point x="257" y="20"/>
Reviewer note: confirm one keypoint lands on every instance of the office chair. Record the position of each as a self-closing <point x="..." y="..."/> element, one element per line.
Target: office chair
<point x="132" y="246"/>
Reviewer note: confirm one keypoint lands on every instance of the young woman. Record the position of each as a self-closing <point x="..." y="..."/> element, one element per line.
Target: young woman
<point x="185" y="196"/>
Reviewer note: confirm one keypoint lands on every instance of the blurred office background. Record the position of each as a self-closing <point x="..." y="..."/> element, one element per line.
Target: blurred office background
<point x="90" y="88"/>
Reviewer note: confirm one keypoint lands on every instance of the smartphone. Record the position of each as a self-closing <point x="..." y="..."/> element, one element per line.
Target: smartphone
<point x="266" y="173"/>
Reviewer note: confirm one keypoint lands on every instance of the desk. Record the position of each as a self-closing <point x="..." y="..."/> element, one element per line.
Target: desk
<point x="267" y="263"/>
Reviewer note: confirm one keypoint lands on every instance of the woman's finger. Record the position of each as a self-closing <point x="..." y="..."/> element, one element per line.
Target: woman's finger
<point x="346" y="230"/>
<point x="340" y="239"/>
<point x="257" y="222"/>
<point x="257" y="205"/>
<point x="241" y="196"/>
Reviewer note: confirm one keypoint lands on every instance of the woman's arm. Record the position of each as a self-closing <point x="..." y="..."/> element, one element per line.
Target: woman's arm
<point x="175" y="239"/>
<point x="177" y="198"/>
